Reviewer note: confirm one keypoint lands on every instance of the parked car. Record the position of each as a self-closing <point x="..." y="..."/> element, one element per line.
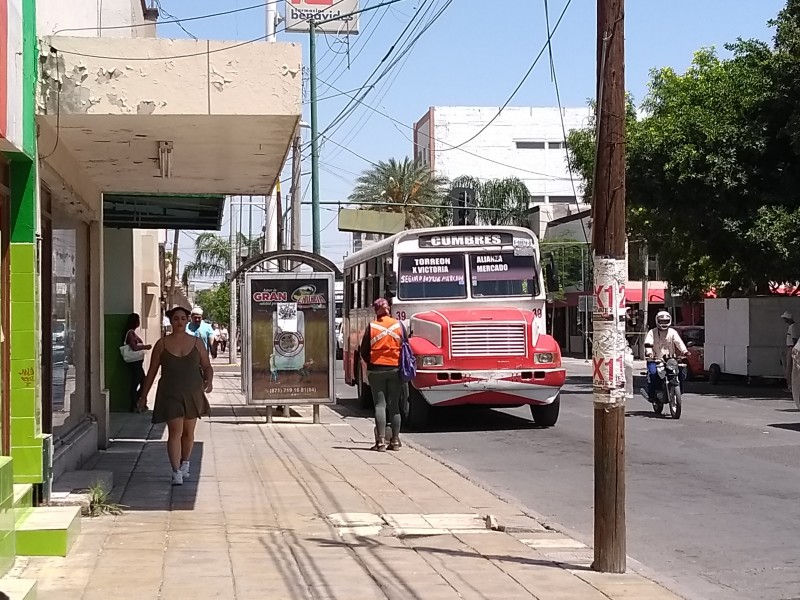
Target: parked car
<point x="694" y="336"/>
<point x="339" y="340"/>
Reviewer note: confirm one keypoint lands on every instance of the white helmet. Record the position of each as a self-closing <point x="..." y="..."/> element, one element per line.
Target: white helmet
<point x="663" y="320"/>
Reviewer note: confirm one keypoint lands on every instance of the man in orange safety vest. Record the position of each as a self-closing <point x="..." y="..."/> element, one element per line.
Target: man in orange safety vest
<point x="380" y="349"/>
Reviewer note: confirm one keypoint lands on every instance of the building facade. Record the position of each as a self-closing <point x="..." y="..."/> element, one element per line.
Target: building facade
<point x="527" y="143"/>
<point x="108" y="136"/>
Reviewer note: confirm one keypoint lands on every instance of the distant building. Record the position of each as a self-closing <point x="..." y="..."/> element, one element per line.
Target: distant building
<point x="527" y="143"/>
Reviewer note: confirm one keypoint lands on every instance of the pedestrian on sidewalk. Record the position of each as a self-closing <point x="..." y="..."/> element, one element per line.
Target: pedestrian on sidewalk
<point x="380" y="349"/>
<point x="223" y="338"/>
<point x="136" y="368"/>
<point x="199" y="328"/>
<point x="792" y="335"/>
<point x="186" y="378"/>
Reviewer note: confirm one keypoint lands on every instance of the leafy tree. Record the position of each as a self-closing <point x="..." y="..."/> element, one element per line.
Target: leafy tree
<point x="408" y="185"/>
<point x="212" y="255"/>
<point x="712" y="167"/>
<point x="571" y="258"/>
<point x="216" y="303"/>
<point x="509" y="198"/>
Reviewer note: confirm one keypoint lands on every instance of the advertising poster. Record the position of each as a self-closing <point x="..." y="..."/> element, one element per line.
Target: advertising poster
<point x="291" y="338"/>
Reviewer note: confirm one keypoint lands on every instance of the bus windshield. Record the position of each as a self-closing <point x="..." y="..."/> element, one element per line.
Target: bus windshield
<point x="429" y="276"/>
<point x="503" y="274"/>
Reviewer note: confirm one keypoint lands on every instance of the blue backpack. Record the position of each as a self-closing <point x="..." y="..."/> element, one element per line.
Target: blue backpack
<point x="408" y="362"/>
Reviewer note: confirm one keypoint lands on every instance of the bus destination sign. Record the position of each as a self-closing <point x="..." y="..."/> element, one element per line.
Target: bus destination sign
<point x="465" y="240"/>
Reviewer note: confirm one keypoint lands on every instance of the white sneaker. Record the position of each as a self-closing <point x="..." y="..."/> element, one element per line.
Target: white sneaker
<point x="185" y="469"/>
<point x="177" y="478"/>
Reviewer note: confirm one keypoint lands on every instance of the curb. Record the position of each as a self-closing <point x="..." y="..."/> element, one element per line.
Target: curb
<point x="633" y="565"/>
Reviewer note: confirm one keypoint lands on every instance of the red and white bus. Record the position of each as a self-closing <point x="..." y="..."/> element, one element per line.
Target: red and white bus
<point x="474" y="302"/>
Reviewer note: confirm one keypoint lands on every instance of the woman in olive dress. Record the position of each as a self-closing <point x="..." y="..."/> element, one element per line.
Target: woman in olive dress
<point x="186" y="378"/>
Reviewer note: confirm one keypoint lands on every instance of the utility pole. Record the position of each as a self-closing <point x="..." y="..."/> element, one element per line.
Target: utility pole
<point x="232" y="330"/>
<point x="608" y="319"/>
<point x="296" y="208"/>
<point x="174" y="267"/>
<point x="312" y="59"/>
<point x="645" y="292"/>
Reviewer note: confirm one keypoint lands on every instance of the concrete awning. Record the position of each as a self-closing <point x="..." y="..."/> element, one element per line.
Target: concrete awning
<point x="228" y="112"/>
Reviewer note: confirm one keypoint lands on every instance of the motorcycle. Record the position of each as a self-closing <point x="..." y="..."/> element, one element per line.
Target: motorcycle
<point x="668" y="370"/>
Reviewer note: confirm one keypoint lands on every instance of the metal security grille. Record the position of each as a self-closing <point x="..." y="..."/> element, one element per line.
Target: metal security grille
<point x="488" y="339"/>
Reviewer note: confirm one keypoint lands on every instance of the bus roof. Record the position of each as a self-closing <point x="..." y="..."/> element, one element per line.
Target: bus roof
<point x="384" y="246"/>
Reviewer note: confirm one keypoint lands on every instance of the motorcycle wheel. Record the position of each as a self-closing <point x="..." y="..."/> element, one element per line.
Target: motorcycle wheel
<point x="658" y="408"/>
<point x="675" y="402"/>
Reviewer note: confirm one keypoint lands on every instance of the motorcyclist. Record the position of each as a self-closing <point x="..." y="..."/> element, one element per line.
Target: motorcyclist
<point x="662" y="341"/>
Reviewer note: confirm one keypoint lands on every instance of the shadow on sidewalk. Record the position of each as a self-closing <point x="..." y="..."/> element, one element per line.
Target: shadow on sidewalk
<point x="453" y="419"/>
<point x="413" y="545"/>
<point x="137" y="457"/>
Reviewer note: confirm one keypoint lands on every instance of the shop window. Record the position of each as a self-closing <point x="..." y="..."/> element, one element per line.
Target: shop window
<point x="68" y="312"/>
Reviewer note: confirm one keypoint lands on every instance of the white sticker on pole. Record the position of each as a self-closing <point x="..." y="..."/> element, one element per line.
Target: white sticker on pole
<point x="608" y="321"/>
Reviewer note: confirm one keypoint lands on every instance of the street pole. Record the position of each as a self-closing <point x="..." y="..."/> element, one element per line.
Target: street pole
<point x="296" y="208"/>
<point x="315" y="225"/>
<point x="232" y="330"/>
<point x="645" y="292"/>
<point x="608" y="240"/>
<point x="174" y="268"/>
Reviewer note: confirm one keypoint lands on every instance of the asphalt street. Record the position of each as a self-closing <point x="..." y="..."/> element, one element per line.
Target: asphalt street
<point x="713" y="500"/>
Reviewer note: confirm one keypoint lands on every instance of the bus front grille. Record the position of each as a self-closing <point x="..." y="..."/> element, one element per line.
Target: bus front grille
<point x="488" y="339"/>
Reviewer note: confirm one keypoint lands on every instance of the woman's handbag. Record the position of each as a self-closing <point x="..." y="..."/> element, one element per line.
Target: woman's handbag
<point x="129" y="355"/>
<point x="408" y="362"/>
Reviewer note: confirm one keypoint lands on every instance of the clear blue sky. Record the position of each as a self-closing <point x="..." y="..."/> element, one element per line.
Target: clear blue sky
<point x="475" y="54"/>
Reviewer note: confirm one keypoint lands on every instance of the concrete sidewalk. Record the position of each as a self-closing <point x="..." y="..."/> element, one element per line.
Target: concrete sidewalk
<point x="300" y="511"/>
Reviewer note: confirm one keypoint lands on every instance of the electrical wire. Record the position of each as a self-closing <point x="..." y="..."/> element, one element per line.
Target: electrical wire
<point x="465" y="151"/>
<point x="343" y="112"/>
<point x="180" y="56"/>
<point x="521" y="83"/>
<point x="409" y="44"/>
<point x="58" y="107"/>
<point x="163" y="11"/>
<point x="173" y="21"/>
<point x="554" y="77"/>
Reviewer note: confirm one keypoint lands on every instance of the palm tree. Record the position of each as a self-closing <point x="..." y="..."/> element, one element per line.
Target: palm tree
<point x="212" y="255"/>
<point x="508" y="198"/>
<point x="409" y="186"/>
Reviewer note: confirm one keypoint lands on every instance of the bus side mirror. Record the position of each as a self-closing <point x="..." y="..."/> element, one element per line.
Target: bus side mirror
<point x="551" y="273"/>
<point x="391" y="283"/>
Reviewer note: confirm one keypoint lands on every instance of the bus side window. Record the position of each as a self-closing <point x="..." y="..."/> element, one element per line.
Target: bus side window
<point x="347" y="295"/>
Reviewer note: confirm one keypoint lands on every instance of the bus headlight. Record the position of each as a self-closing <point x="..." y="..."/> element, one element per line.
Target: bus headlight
<point x="432" y="360"/>
<point x="544" y="358"/>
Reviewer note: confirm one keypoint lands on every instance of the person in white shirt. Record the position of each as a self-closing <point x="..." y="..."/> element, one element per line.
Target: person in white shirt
<point x="792" y="335"/>
<point x="661" y="342"/>
<point x="223" y="338"/>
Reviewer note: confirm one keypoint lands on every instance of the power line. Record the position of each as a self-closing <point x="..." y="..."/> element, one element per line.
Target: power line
<point x="554" y="76"/>
<point x="179" y="56"/>
<point x="521" y="83"/>
<point x="171" y="21"/>
<point x="438" y="141"/>
<point x="409" y="44"/>
<point x="343" y="112"/>
<point x="174" y="18"/>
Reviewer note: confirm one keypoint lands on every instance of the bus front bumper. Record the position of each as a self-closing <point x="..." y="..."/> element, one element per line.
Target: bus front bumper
<point x="490" y="388"/>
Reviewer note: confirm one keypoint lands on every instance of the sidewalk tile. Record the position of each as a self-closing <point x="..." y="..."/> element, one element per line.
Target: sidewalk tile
<point x="296" y="511"/>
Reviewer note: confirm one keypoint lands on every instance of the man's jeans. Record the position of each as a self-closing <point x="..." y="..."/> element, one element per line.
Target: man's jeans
<point x="654" y="382"/>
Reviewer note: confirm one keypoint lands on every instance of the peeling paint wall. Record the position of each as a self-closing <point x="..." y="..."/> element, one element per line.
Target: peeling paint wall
<point x="209" y="78"/>
<point x="91" y="18"/>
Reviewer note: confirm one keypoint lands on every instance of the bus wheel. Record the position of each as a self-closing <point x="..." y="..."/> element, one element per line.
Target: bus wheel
<point x="364" y="391"/>
<point x="546" y="415"/>
<point x="416" y="411"/>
